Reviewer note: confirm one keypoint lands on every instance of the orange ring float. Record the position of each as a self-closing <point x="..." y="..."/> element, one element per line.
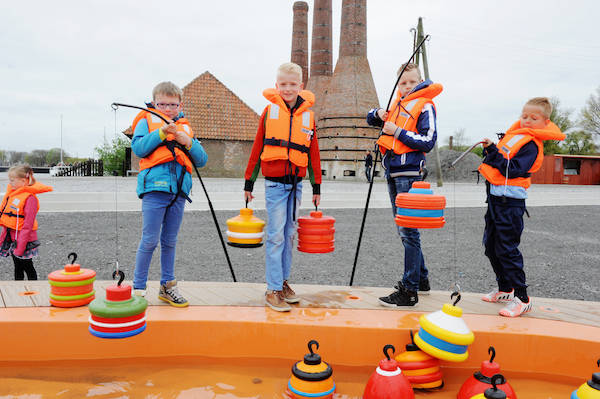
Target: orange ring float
<point x="316" y="233"/>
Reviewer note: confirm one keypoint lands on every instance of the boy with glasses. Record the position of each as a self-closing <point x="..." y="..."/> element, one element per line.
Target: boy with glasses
<point x="164" y="184"/>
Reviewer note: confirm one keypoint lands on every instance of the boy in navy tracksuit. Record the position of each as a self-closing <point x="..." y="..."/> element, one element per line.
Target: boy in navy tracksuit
<point x="507" y="168"/>
<point x="409" y="131"/>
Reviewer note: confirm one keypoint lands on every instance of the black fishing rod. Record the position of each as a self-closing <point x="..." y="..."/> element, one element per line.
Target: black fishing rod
<point x="362" y="226"/>
<point x="114" y="106"/>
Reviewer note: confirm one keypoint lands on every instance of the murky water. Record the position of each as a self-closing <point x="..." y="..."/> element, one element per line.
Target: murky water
<point x="202" y="378"/>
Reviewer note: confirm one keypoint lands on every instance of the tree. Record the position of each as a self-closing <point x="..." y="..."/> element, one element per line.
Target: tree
<point x="53" y="156"/>
<point x="459" y="139"/>
<point x="589" y="118"/>
<point x="562" y="119"/>
<point x="579" y="142"/>
<point x="36" y="157"/>
<point x="113" y="154"/>
<point x="15" y="157"/>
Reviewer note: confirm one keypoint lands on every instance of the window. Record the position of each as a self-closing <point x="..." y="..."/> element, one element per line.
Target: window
<point x="348" y="172"/>
<point x="571" y="166"/>
<point x="376" y="173"/>
<point x="323" y="172"/>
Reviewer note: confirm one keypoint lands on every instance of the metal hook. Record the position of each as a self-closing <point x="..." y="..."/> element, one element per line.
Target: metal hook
<point x="386" y="349"/>
<point x="493" y="352"/>
<point x="457" y="295"/>
<point x="74" y="255"/>
<point x="121" y="276"/>
<point x="114" y="106"/>
<point x="598" y="362"/>
<point x="428" y="37"/>
<point x="412" y="338"/>
<point x="315" y="204"/>
<point x="246" y="203"/>
<point x="310" y="344"/>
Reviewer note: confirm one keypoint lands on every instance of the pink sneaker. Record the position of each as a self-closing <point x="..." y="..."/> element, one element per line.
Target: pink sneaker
<point x="499" y="296"/>
<point x="515" y="308"/>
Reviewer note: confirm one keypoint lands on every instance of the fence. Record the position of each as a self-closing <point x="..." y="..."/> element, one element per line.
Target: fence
<point x="91" y="167"/>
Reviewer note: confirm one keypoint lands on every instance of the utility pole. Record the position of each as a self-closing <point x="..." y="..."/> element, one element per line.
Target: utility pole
<point x="420" y="36"/>
<point x="61" y="141"/>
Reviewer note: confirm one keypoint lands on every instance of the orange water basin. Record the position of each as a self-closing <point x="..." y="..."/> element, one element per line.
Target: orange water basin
<point x="243" y="352"/>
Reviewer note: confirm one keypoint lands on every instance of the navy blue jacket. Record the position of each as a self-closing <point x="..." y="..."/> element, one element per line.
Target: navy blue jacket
<point x="423" y="139"/>
<point x="519" y="164"/>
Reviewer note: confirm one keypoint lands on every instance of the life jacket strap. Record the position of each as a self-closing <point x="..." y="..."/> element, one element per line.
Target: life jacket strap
<point x="288" y="144"/>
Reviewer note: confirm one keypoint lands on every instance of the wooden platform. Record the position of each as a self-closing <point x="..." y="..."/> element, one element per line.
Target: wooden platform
<point x="35" y="293"/>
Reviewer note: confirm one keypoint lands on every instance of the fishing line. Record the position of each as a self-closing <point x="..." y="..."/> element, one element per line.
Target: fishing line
<point x="116" y="210"/>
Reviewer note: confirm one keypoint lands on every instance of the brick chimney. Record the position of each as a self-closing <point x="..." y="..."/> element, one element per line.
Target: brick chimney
<point x="321" y="62"/>
<point x="344" y="135"/>
<point x="300" y="37"/>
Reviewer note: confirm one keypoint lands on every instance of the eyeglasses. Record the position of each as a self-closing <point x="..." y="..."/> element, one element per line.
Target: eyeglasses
<point x="167" y="105"/>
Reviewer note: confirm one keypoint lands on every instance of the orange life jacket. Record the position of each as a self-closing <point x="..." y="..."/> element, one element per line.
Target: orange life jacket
<point x="405" y="114"/>
<point x="514" y="139"/>
<point x="162" y="154"/>
<point x="288" y="136"/>
<point x="12" y="209"/>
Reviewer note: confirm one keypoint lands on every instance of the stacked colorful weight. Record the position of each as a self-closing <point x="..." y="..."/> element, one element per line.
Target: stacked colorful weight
<point x="589" y="389"/>
<point x="422" y="370"/>
<point x="388" y="381"/>
<point x="419" y="208"/>
<point x="119" y="315"/>
<point x="444" y="334"/>
<point x="72" y="286"/>
<point x="245" y="230"/>
<point x="482" y="380"/>
<point x="311" y="378"/>
<point x="316" y="233"/>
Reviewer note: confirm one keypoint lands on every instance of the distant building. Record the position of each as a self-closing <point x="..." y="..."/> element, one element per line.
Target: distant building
<point x="568" y="169"/>
<point x="224" y="124"/>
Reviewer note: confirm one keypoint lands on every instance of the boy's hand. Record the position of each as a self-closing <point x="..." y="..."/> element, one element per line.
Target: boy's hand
<point x="316" y="199"/>
<point x="248" y="196"/>
<point x="169" y="128"/>
<point x="486" y="142"/>
<point x="382" y="114"/>
<point x="183" y="138"/>
<point x="389" y="128"/>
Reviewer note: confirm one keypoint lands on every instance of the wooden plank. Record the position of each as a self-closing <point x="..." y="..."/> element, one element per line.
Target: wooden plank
<point x="12" y="294"/>
<point x="42" y="292"/>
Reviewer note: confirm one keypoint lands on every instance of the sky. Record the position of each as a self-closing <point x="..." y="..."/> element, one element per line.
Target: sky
<point x="74" y="58"/>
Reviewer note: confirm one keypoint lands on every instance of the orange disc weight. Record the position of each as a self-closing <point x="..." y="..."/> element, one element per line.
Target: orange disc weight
<point x="420" y="201"/>
<point x="420" y="223"/>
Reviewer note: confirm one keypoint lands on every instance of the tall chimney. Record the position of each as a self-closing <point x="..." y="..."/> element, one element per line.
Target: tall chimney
<point x="344" y="135"/>
<point x="300" y="37"/>
<point x="321" y="55"/>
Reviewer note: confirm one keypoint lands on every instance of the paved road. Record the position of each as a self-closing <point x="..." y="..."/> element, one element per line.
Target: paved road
<point x="95" y="194"/>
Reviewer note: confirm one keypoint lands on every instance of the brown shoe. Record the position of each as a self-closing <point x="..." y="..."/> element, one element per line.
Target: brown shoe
<point x="274" y="299"/>
<point x="288" y="293"/>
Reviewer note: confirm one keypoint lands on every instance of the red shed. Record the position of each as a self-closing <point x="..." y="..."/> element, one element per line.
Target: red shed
<point x="568" y="169"/>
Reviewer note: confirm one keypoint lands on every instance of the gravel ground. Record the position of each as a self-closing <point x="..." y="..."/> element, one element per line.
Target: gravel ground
<point x="561" y="247"/>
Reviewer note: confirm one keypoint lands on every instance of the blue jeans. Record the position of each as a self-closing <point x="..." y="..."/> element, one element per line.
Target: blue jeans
<point x="163" y="221"/>
<point x="280" y="231"/>
<point x="414" y="264"/>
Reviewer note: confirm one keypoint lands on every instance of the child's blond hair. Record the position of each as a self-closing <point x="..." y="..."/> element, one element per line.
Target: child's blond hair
<point x="291" y="68"/>
<point x="409" y="67"/>
<point x="542" y="102"/>
<point x="22" y="171"/>
<point x="167" y="89"/>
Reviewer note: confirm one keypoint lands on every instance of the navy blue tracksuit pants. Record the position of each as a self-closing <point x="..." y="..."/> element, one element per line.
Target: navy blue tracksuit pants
<point x="501" y="238"/>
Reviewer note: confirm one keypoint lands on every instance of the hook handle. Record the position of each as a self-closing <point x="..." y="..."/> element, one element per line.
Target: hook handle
<point x="457" y="295"/>
<point x="598" y="362"/>
<point x="310" y="344"/>
<point x="386" y="349"/>
<point x="121" y="276"/>
<point x="492" y="351"/>
<point x="72" y="255"/>
<point x="497" y="379"/>
<point x="412" y="338"/>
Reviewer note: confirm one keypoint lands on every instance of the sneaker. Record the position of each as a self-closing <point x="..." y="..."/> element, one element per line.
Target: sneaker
<point x="499" y="296"/>
<point x="274" y="299"/>
<point x="139" y="292"/>
<point x="424" y="287"/>
<point x="170" y="294"/>
<point x="515" y="308"/>
<point x="288" y="293"/>
<point x="401" y="297"/>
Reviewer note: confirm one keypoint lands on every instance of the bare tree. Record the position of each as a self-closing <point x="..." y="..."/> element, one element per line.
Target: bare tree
<point x="589" y="118"/>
